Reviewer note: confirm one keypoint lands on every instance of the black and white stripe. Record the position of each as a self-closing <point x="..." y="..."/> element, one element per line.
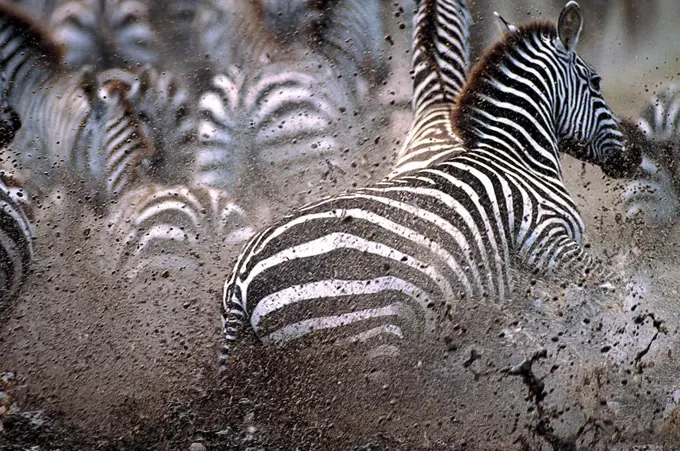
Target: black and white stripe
<point x="263" y="129"/>
<point x="440" y="61"/>
<point x="105" y="33"/>
<point x="350" y="33"/>
<point x="157" y="228"/>
<point x="164" y="108"/>
<point x="234" y="33"/>
<point x="388" y="262"/>
<point x="78" y="128"/>
<point x="655" y="193"/>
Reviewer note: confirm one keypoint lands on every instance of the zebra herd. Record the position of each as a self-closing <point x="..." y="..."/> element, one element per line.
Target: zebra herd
<point x="476" y="194"/>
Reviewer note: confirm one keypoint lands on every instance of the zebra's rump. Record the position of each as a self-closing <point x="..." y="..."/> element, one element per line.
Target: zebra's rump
<point x="264" y="130"/>
<point x="390" y="258"/>
<point x="105" y="33"/>
<point x="158" y="227"/>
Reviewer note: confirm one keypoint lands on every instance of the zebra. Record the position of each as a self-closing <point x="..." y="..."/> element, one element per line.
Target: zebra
<point x="377" y="264"/>
<point x="165" y="111"/>
<point x="350" y="33"/>
<point x="105" y="33"/>
<point x="234" y="33"/>
<point x="262" y="129"/>
<point x="79" y="130"/>
<point x="653" y="194"/>
<point x="16" y="236"/>
<point x="16" y="216"/>
<point x="156" y="228"/>
<point x="440" y="62"/>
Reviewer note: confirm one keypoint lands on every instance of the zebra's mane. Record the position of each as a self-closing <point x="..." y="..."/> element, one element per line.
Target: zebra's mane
<point x="488" y="66"/>
<point x="38" y="37"/>
<point x="121" y="88"/>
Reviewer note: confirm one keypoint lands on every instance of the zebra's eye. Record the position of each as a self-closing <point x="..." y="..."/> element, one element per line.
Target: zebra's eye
<point x="595" y="82"/>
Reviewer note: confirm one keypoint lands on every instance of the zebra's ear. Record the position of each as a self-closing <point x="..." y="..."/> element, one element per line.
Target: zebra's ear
<point x="503" y="25"/>
<point x="569" y="26"/>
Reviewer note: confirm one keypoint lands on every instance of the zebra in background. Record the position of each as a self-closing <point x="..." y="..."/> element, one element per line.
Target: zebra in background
<point x="353" y="38"/>
<point x="440" y="62"/>
<point x="16" y="236"/>
<point x="165" y="111"/>
<point x="105" y="33"/>
<point x="157" y="228"/>
<point x="16" y="217"/>
<point x="261" y="130"/>
<point x="350" y="33"/>
<point x="79" y="130"/>
<point x="377" y="264"/>
<point x="654" y="195"/>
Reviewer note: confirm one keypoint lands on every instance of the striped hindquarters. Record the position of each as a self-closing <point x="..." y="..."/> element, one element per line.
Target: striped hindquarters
<point x="655" y="193"/>
<point x="105" y="33"/>
<point x="370" y="266"/>
<point x="158" y="228"/>
<point x="16" y="234"/>
<point x="285" y="122"/>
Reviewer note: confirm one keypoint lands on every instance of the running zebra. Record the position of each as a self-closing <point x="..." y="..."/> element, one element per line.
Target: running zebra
<point x="105" y="33"/>
<point x="440" y="62"/>
<point x="379" y="263"/>
<point x="79" y="129"/>
<point x="655" y="194"/>
<point x="158" y="228"/>
<point x="165" y="112"/>
<point x="263" y="129"/>
<point x="353" y="37"/>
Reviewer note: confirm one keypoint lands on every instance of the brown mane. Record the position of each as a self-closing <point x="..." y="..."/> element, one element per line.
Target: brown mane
<point x="38" y="37"/>
<point x="487" y="66"/>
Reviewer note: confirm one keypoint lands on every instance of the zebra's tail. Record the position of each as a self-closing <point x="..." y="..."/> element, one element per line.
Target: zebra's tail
<point x="234" y="316"/>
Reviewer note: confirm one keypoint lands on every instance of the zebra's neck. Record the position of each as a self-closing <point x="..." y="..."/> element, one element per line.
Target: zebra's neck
<point x="507" y="108"/>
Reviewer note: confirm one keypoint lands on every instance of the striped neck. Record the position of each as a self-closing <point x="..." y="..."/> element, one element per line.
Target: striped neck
<point x="508" y="106"/>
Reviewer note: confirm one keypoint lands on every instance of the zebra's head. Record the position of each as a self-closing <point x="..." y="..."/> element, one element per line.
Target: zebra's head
<point x="585" y="124"/>
<point x="119" y="147"/>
